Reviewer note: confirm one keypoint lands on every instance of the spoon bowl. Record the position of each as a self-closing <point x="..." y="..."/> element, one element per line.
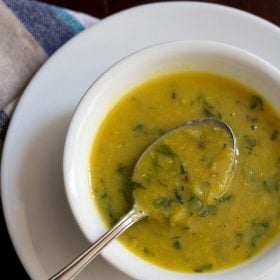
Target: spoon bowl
<point x="196" y="159"/>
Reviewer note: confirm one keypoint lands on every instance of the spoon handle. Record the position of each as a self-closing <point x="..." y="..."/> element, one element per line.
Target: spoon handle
<point x="73" y="268"/>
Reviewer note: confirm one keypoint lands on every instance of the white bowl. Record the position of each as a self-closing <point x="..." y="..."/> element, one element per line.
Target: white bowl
<point x="107" y="90"/>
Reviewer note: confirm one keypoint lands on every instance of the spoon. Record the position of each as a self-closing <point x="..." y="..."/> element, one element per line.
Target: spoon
<point x="139" y="209"/>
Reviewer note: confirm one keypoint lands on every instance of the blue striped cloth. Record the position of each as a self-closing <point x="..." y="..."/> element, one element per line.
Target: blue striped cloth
<point x="30" y="31"/>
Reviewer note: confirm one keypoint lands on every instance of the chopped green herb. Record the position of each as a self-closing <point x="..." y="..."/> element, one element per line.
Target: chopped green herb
<point x="113" y="218"/>
<point x="255" y="102"/>
<point x="182" y="169"/>
<point x="186" y="179"/>
<point x="195" y="205"/>
<point x="127" y="196"/>
<point x="272" y="184"/>
<point x="203" y="211"/>
<point x="165" y="150"/>
<point x="274" y="135"/>
<point x="179" y="196"/>
<point x="225" y="198"/>
<point x="162" y="182"/>
<point x="207" y="160"/>
<point x="239" y="235"/>
<point x="163" y="202"/>
<point x="122" y="169"/>
<point x="259" y="230"/>
<point x="212" y="209"/>
<point x="208" y="110"/>
<point x="177" y="245"/>
<point x="200" y="97"/>
<point x="106" y="204"/>
<point x="134" y="185"/>
<point x="250" y="142"/>
<point x="165" y="158"/>
<point x="104" y="196"/>
<point x="161" y="131"/>
<point x="203" y="268"/>
<point x="253" y="126"/>
<point x="138" y="128"/>
<point x="239" y="238"/>
<point x="148" y="251"/>
<point x="210" y="113"/>
<point x="264" y="224"/>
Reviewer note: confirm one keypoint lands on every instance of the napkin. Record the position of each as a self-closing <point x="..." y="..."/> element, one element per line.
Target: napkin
<point x="30" y="32"/>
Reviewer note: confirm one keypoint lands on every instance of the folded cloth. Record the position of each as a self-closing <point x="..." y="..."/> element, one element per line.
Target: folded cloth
<point x="30" y="32"/>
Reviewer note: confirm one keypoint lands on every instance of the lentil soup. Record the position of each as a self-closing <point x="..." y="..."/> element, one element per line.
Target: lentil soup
<point x="206" y="237"/>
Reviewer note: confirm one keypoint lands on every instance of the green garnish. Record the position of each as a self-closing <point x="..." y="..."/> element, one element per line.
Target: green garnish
<point x="203" y="268"/>
<point x="239" y="235"/>
<point x="134" y="185"/>
<point x="182" y="169"/>
<point x="179" y="197"/>
<point x="127" y="196"/>
<point x="138" y="128"/>
<point x="163" y="202"/>
<point x="122" y="169"/>
<point x="177" y="245"/>
<point x="259" y="230"/>
<point x="274" y="135"/>
<point x="165" y="150"/>
<point x="250" y="142"/>
<point x="209" y="112"/>
<point x="161" y="131"/>
<point x="212" y="209"/>
<point x="253" y="126"/>
<point x="207" y="160"/>
<point x="255" y="102"/>
<point x="106" y="204"/>
<point x="225" y="198"/>
<point x="198" y="207"/>
<point x="113" y="218"/>
<point x="148" y="251"/>
<point x="272" y="184"/>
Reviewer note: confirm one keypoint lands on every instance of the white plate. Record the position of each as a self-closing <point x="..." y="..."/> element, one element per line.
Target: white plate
<point x="39" y="221"/>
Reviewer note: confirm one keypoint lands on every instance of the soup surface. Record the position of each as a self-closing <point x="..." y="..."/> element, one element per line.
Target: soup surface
<point x="201" y="236"/>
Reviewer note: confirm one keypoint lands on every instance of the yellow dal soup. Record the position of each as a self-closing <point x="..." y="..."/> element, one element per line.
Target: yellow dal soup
<point x="205" y="232"/>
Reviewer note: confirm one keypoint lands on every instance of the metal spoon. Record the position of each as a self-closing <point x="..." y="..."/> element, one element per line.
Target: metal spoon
<point x="135" y="214"/>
